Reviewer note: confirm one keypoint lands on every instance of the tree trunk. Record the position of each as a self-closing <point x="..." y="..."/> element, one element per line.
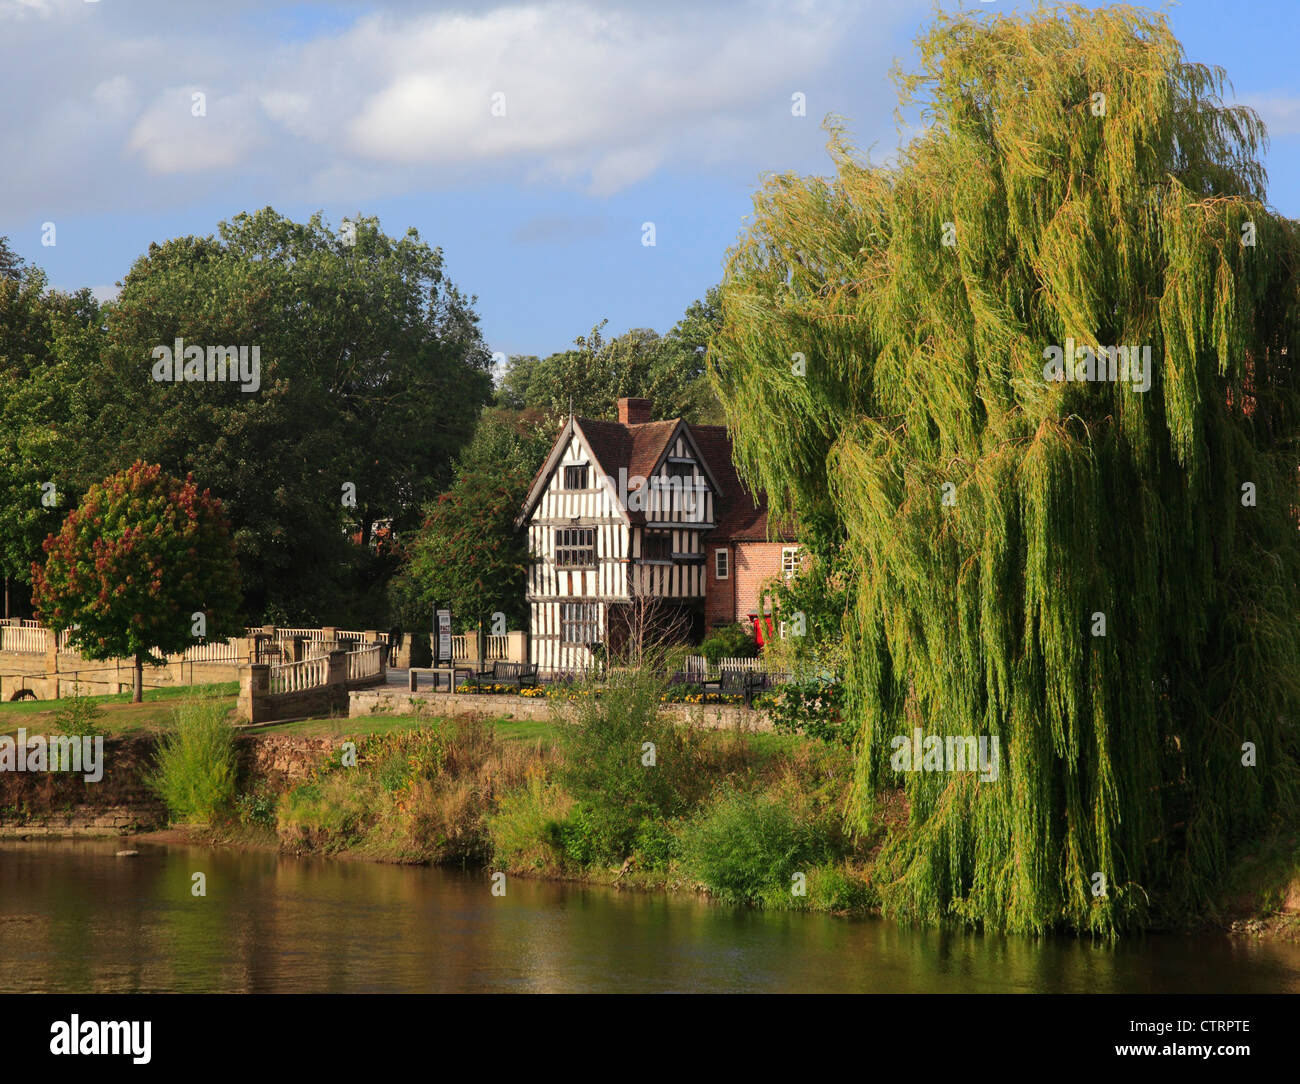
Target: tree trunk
<point x="137" y="688"/>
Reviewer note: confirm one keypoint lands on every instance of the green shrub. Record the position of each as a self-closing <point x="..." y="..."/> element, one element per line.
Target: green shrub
<point x="195" y="775"/>
<point x="813" y="708"/>
<point x="606" y="768"/>
<point x="729" y="642"/>
<point x="257" y="807"/>
<point x="527" y="829"/>
<point x="746" y="847"/>
<point x="78" y="716"/>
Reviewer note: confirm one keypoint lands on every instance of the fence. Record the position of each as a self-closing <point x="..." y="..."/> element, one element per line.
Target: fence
<point x="24" y="638"/>
<point x="213" y="652"/>
<point x="365" y="662"/>
<point x="293" y="677"/>
<point x="19" y="623"/>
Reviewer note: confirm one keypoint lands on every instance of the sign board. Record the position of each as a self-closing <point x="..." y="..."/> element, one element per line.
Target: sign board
<point x="442" y="625"/>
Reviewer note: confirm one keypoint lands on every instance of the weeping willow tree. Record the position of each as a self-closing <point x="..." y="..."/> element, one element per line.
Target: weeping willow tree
<point x="1101" y="576"/>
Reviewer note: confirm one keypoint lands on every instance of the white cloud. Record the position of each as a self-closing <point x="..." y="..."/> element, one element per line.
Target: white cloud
<point x="600" y="96"/>
<point x="1279" y="112"/>
<point x="171" y="138"/>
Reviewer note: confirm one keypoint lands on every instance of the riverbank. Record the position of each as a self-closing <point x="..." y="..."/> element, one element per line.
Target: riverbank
<point x="751" y="818"/>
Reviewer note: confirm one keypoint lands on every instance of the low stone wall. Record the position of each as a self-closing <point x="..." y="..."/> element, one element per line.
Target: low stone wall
<point x="50" y="679"/>
<point x="63" y="803"/>
<point x="391" y="701"/>
<point x="38" y="804"/>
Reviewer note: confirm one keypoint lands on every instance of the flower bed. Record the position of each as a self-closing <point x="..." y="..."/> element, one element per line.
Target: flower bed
<point x="678" y="694"/>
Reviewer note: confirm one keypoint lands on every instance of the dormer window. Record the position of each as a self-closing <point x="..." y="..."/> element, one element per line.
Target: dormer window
<point x="575" y="477"/>
<point x="681" y="470"/>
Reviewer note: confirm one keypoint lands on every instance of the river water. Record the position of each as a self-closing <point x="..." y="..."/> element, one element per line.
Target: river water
<point x="74" y="918"/>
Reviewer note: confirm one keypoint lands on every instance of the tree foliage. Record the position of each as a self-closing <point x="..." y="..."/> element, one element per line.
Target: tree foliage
<point x="468" y="554"/>
<point x="373" y="371"/>
<point x="134" y="563"/>
<point x="669" y="369"/>
<point x="1093" y="186"/>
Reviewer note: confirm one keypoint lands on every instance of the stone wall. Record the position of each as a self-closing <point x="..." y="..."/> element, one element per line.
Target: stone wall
<point x="392" y="701"/>
<point x="63" y="803"/>
<point x="35" y="804"/>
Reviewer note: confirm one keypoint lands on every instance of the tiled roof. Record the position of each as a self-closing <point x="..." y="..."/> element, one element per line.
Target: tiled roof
<point x="742" y="516"/>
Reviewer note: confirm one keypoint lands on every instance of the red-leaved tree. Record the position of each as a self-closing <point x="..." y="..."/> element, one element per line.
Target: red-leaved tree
<point x="143" y="568"/>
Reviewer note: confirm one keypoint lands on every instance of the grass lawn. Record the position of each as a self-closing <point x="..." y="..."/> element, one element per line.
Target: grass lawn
<point x="120" y="715"/>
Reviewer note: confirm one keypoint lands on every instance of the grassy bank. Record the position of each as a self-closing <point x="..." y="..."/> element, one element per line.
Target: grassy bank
<point x="607" y="791"/>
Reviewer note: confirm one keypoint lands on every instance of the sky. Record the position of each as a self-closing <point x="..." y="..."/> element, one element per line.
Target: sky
<point x="530" y="142"/>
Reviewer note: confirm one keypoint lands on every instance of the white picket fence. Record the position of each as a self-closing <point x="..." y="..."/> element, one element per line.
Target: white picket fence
<point x="698" y="664"/>
<point x="19" y="623"/>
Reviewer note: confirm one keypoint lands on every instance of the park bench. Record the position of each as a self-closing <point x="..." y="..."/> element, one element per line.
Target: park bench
<point x="521" y="674"/>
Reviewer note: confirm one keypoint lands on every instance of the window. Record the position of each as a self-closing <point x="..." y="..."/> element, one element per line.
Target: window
<point x="789" y="561"/>
<point x="657" y="546"/>
<point x="720" y="569"/>
<point x="578" y="623"/>
<point x="575" y="477"/>
<point x="681" y="470"/>
<point x="575" y="547"/>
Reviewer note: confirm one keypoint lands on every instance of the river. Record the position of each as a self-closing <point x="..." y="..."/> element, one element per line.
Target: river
<point x="73" y="918"/>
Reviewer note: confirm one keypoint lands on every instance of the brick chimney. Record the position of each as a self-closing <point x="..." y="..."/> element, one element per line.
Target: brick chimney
<point x="633" y="411"/>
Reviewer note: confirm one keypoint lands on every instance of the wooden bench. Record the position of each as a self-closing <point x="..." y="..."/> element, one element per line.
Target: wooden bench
<point x="520" y="674"/>
<point x="438" y="671"/>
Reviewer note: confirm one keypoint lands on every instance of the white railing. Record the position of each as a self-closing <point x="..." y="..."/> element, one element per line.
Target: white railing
<point x="214" y="652"/>
<point x="459" y="649"/>
<point x="497" y="648"/>
<point x="293" y="677"/>
<point x="20" y="623"/>
<point x="365" y="662"/>
<point x="23" y="638"/>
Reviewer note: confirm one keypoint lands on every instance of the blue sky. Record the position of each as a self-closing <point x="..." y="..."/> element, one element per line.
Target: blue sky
<point x="616" y="114"/>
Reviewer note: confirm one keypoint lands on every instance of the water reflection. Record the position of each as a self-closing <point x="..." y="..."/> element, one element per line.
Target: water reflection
<point x="75" y="918"/>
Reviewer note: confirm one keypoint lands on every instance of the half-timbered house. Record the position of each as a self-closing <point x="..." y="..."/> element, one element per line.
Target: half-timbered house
<point x="624" y="512"/>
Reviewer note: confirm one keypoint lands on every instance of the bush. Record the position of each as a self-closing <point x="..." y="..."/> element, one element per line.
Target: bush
<point x="746" y="847"/>
<point x="195" y="775"/>
<point x="605" y="768"/>
<point x="77" y="716"/>
<point x="528" y="827"/>
<point x="729" y="642"/>
<point x="813" y="708"/>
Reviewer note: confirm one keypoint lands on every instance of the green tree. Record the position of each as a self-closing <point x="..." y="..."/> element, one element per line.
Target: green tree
<point x="373" y="371"/>
<point x="135" y="565"/>
<point x="882" y="367"/>
<point x="468" y="554"/>
<point x="37" y="328"/>
<point x="669" y="369"/>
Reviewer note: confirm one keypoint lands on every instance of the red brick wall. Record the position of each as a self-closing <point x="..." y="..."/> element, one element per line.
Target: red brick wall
<point x="756" y="563"/>
<point x="719" y="595"/>
<point x="752" y="564"/>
